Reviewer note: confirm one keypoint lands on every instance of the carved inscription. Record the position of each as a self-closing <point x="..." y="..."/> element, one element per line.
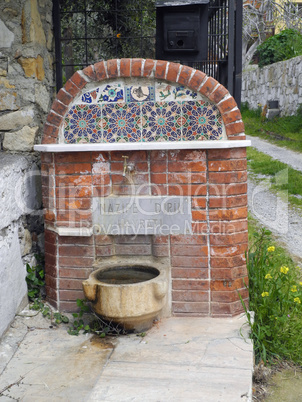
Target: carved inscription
<point x="142" y="215"/>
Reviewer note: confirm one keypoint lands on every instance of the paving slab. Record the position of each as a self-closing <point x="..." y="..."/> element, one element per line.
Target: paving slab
<point x="194" y="359"/>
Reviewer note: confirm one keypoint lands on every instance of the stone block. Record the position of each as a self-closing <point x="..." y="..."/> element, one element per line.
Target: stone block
<point x="6" y="36"/>
<point x="15" y="120"/>
<point x="22" y="140"/>
<point x="33" y="67"/>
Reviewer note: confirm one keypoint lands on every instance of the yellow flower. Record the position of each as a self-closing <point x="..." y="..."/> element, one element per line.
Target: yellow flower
<point x="264" y="294"/>
<point x="118" y="35"/>
<point x="293" y="288"/>
<point x="300" y="283"/>
<point x="268" y="276"/>
<point x="271" y="249"/>
<point x="297" y="300"/>
<point x="284" y="269"/>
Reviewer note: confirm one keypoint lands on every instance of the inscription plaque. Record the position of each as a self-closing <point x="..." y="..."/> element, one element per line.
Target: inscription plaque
<point x="142" y="215"/>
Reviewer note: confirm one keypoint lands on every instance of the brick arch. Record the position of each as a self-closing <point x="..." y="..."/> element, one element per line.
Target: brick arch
<point x="158" y="69"/>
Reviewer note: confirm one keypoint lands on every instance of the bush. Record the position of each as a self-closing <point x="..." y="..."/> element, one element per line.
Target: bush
<point x="283" y="46"/>
<point x="275" y="297"/>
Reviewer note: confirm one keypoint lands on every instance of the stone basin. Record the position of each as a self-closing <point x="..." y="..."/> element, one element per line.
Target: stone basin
<point x="130" y="295"/>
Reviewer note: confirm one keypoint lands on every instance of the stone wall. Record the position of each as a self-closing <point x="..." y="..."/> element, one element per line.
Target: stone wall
<point x="280" y="81"/>
<point x="26" y="91"/>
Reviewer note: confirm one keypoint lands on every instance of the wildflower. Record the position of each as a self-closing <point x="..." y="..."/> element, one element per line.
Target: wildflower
<point x="300" y="283"/>
<point x="284" y="269"/>
<point x="118" y="35"/>
<point x="264" y="294"/>
<point x="297" y="300"/>
<point x="268" y="276"/>
<point x="271" y="249"/>
<point x="293" y="288"/>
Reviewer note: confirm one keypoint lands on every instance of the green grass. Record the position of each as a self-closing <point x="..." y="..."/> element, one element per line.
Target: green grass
<point x="282" y="131"/>
<point x="282" y="177"/>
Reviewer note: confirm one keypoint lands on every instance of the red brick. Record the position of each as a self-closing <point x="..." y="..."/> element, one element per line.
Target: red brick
<point x="237" y="137"/>
<point x="228" y="202"/>
<point x="185" y="75"/>
<point x="46" y="157"/>
<point x="159" y="178"/>
<point x="229" y="285"/>
<point x="50" y="281"/>
<point x="190" y="273"/>
<point x="199" y="215"/>
<point x="192" y="262"/>
<point x="73" y="180"/>
<point x="51" y="248"/>
<point x="59" y="108"/>
<point x="99" y="157"/>
<point x="136" y="68"/>
<point x="226" y="309"/>
<point x="158" y="166"/>
<point x="231" y="117"/>
<point x="49" y="236"/>
<point x="218" y="94"/>
<point x="196" y="80"/>
<point x="50" y="259"/>
<point x="189" y="250"/>
<point x="227" y="165"/>
<point x="54" y="119"/>
<point x="71" y="284"/>
<point x="195" y="155"/>
<point x="76" y="273"/>
<point x="71" y="88"/>
<point x="89" y="71"/>
<point x="148" y="67"/>
<point x="228" y="239"/>
<point x="158" y="156"/>
<point x="135" y="239"/>
<point x="228" y="262"/>
<point x="160" y="70"/>
<point x="142" y="178"/>
<point x="100" y="71"/>
<point x="46" y="139"/>
<point x="101" y="179"/>
<point x="112" y="68"/>
<point x="75" y="240"/>
<point x="183" y="284"/>
<point x="222" y="154"/>
<point x="73" y="192"/>
<point x="160" y="239"/>
<point x="227" y="105"/>
<point x="133" y="249"/>
<point x="103" y="240"/>
<point x="51" y="295"/>
<point x="70" y="295"/>
<point x="173" y="69"/>
<point x="208" y="86"/>
<point x="160" y="250"/>
<point x="187" y="166"/>
<point x="133" y="156"/>
<point x="199" y="228"/>
<point x="199" y="202"/>
<point x="76" y="251"/>
<point x="228" y="297"/>
<point x="49" y="130"/>
<point x="228" y="274"/>
<point x="227" y="178"/>
<point x="190" y="308"/>
<point x="78" y="80"/>
<point x="188" y="239"/>
<point x="82" y="262"/>
<point x="227" y="189"/>
<point x="226" y="251"/>
<point x="235" y="128"/>
<point x="67" y="157"/>
<point x="187" y="177"/>
<point x="125" y="65"/>
<point x="190" y="296"/>
<point x="72" y="216"/>
<point x="73" y="168"/>
<point x="104" y="251"/>
<point x="64" y="97"/>
<point x="187" y="190"/>
<point x="228" y="214"/>
<point x="159" y="190"/>
<point x="49" y="215"/>
<point x="102" y="191"/>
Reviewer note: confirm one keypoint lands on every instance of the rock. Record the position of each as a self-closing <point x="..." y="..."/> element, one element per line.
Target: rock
<point x="33" y="67"/>
<point x="15" y="120"/>
<point x="26" y="243"/>
<point x="42" y="97"/>
<point x="22" y="140"/>
<point x="6" y="36"/>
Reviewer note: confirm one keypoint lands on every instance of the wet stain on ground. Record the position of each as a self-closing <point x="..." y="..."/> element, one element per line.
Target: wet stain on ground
<point x="103" y="343"/>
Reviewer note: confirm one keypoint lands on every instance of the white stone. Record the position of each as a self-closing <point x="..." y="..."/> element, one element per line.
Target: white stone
<point x="42" y="96"/>
<point x="22" y="140"/>
<point x="6" y="36"/>
<point x="12" y="276"/>
<point x="15" y="120"/>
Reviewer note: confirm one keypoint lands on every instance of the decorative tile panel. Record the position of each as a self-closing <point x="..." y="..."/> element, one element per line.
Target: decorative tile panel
<point x="80" y="124"/>
<point x="138" y="93"/>
<point x="130" y="111"/>
<point x="161" y="121"/>
<point x="122" y="122"/>
<point x="201" y="121"/>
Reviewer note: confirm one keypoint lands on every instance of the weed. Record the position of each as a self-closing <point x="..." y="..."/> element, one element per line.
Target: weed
<point x="275" y="297"/>
<point x="35" y="279"/>
<point x="78" y="322"/>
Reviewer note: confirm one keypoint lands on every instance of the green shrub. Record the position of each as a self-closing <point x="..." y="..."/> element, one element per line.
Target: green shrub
<point x="283" y="46"/>
<point x="275" y="297"/>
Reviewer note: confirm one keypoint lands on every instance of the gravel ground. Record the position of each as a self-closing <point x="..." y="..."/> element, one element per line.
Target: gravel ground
<point x="291" y="158"/>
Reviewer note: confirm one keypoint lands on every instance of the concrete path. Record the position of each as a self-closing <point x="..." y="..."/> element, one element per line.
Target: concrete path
<point x="291" y="158"/>
<point x="180" y="359"/>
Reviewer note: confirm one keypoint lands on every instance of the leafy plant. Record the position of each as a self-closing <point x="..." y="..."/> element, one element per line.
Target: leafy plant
<point x="35" y="279"/>
<point x="78" y="322"/>
<point x="275" y="297"/>
<point x="283" y="46"/>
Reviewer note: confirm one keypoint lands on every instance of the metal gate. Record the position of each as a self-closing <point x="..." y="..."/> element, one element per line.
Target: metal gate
<point x="87" y="31"/>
